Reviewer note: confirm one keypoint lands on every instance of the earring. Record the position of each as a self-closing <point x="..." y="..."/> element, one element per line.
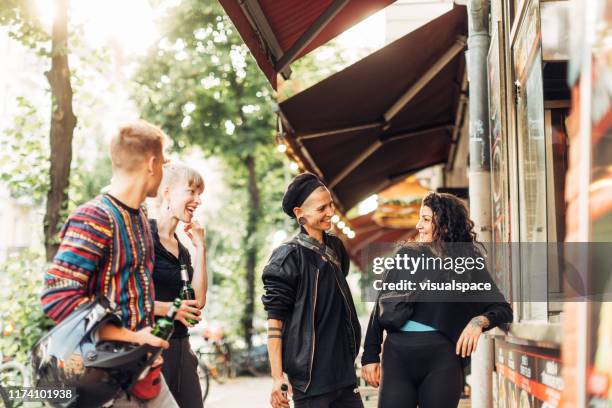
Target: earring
<point x="302" y="221"/>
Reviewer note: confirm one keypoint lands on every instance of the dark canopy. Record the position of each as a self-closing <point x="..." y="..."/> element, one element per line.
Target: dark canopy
<point x="367" y="232"/>
<point x="388" y="115"/>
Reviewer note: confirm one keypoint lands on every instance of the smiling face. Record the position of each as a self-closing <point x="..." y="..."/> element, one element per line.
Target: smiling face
<point x="317" y="210"/>
<point x="425" y="226"/>
<point x="183" y="200"/>
<point x="180" y="191"/>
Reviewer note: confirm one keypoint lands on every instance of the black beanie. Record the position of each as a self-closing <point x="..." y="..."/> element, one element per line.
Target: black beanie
<point x="298" y="191"/>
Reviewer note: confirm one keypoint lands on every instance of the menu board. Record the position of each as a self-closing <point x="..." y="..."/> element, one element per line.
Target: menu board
<point x="527" y="41"/>
<point x="527" y="377"/>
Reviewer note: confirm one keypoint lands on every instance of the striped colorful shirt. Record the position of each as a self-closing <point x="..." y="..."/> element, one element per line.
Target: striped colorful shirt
<point x="106" y="249"/>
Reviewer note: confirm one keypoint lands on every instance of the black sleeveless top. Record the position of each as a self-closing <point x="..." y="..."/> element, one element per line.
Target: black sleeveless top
<point x="167" y="275"/>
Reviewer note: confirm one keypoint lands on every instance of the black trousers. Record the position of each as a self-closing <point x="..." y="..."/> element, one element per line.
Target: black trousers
<point x="420" y="368"/>
<point x="342" y="398"/>
<point x="180" y="371"/>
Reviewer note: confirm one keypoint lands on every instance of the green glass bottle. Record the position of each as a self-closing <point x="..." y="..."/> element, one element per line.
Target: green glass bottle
<point x="284" y="389"/>
<point x="187" y="292"/>
<point x="165" y="326"/>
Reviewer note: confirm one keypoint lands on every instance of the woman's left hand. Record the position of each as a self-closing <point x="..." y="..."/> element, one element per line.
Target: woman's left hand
<point x="468" y="340"/>
<point x="196" y="233"/>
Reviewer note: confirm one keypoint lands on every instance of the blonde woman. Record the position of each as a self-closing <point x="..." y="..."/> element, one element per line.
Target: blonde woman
<point x="177" y="199"/>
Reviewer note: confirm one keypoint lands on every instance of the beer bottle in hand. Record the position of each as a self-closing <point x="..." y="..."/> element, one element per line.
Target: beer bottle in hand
<point x="165" y="326"/>
<point x="284" y="389"/>
<point x="187" y="292"/>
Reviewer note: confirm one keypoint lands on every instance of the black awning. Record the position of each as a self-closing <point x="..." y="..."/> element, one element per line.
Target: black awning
<point x="386" y="116"/>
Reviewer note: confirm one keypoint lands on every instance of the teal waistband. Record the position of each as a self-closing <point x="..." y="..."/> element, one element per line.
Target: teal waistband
<point x="412" y="326"/>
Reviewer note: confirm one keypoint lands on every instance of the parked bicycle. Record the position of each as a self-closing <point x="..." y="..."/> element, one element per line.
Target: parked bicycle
<point x="214" y="356"/>
<point x="12" y="374"/>
<point x="215" y="353"/>
<point x="204" y="375"/>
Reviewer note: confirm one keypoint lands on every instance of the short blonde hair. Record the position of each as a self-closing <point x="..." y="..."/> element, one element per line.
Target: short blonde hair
<point x="135" y="142"/>
<point x="175" y="173"/>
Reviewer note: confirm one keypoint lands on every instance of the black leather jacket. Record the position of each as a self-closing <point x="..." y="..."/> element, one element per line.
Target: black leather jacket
<point x="290" y="282"/>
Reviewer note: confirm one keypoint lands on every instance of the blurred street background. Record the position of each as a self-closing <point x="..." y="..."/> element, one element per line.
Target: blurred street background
<point x="506" y="104"/>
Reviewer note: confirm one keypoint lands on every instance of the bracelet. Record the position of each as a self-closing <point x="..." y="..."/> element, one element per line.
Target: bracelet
<point x="274" y="336"/>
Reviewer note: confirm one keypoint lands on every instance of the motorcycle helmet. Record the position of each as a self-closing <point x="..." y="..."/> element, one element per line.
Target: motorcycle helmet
<point x="70" y="357"/>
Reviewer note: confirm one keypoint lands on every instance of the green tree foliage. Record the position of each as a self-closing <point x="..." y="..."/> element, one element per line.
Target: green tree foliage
<point x="22" y="321"/>
<point x="19" y="16"/>
<point x="24" y="160"/>
<point x="201" y="83"/>
<point x="24" y="168"/>
<point x="24" y="154"/>
<point x="202" y="86"/>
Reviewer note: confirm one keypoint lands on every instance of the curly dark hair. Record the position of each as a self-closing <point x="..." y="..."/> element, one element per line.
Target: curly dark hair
<point x="451" y="219"/>
<point x="453" y="233"/>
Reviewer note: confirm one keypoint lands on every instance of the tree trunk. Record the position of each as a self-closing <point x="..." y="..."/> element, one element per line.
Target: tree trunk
<point x="251" y="247"/>
<point x="63" y="123"/>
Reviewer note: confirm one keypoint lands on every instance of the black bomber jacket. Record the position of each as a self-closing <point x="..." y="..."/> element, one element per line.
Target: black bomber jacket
<point x="290" y="281"/>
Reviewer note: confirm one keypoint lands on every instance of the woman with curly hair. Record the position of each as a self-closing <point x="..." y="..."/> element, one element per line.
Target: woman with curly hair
<point x="428" y="342"/>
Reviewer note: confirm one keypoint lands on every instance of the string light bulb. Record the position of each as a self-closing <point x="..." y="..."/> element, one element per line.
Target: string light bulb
<point x="281" y="147"/>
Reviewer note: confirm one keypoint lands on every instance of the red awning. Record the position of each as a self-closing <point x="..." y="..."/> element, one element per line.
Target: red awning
<point x="279" y="32"/>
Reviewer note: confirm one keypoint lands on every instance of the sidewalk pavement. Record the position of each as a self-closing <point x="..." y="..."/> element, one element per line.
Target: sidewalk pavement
<point x="240" y="392"/>
<point x="254" y="392"/>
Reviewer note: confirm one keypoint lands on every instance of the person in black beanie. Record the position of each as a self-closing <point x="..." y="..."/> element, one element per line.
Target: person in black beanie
<point x="313" y="331"/>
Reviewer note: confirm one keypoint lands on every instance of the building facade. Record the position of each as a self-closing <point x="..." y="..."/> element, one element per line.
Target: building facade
<point x="548" y="189"/>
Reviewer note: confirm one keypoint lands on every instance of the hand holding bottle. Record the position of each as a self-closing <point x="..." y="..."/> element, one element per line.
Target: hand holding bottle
<point x="188" y="294"/>
<point x="144" y="336"/>
<point x="281" y="390"/>
<point x="188" y="312"/>
<point x="164" y="326"/>
<point x="110" y="332"/>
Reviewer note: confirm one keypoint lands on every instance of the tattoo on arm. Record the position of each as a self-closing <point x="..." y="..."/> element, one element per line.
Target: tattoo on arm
<point x="274" y="336"/>
<point x="480" y="321"/>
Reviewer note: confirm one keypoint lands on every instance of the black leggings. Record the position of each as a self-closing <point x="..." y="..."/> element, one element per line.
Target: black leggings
<point x="420" y="368"/>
